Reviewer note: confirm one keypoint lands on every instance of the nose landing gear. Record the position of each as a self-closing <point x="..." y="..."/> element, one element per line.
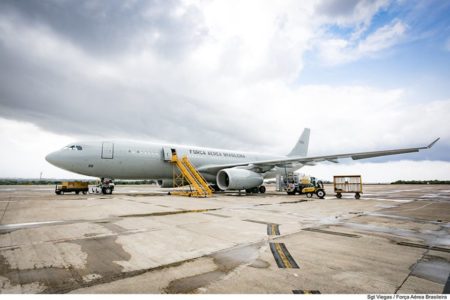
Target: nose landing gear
<point x="107" y="186"/>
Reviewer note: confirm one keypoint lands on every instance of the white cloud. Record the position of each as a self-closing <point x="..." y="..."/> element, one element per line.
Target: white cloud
<point x="234" y="89"/>
<point x="23" y="150"/>
<point x="384" y="172"/>
<point x="338" y="50"/>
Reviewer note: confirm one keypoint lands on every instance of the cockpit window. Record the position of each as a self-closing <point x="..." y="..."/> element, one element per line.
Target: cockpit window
<point x="74" y="147"/>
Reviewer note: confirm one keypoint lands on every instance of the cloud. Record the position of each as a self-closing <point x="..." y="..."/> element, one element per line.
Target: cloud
<point x="337" y="50"/>
<point x="350" y="12"/>
<point x="169" y="27"/>
<point x="384" y="172"/>
<point x="24" y="147"/>
<point x="217" y="73"/>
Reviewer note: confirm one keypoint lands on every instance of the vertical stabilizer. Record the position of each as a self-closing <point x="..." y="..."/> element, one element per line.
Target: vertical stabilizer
<point x="301" y="148"/>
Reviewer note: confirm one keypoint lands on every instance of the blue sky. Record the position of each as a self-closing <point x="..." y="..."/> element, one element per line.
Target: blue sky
<point x="249" y="75"/>
<point x="420" y="59"/>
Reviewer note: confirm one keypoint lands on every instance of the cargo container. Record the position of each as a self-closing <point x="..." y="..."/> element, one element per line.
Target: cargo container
<point x="347" y="184"/>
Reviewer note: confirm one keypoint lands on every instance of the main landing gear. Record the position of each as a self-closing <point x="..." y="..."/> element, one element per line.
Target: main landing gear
<point x="261" y="189"/>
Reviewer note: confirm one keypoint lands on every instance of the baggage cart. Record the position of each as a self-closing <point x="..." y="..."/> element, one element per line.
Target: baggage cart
<point x="347" y="184"/>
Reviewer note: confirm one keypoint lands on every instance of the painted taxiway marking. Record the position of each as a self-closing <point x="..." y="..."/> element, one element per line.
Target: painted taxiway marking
<point x="305" y="292"/>
<point x="273" y="229"/>
<point x="282" y="256"/>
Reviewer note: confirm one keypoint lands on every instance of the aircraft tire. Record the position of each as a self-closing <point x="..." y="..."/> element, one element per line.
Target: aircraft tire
<point x="262" y="189"/>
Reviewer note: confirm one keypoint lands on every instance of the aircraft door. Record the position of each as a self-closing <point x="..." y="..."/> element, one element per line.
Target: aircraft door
<point x="107" y="150"/>
<point x="168" y="153"/>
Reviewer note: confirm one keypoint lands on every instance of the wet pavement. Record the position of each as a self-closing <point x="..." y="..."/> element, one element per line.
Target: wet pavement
<point x="395" y="239"/>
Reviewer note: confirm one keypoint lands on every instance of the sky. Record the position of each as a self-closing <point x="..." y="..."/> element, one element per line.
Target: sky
<point x="242" y="75"/>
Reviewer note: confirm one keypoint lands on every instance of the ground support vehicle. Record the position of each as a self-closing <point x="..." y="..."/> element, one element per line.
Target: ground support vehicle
<point x="347" y="184"/>
<point x="69" y="187"/>
<point x="309" y="186"/>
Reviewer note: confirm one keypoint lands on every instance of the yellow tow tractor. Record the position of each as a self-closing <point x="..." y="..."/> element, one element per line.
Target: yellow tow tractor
<point x="68" y="187"/>
<point x="304" y="185"/>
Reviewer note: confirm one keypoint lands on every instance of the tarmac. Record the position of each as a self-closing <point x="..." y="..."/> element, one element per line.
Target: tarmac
<point x="395" y="239"/>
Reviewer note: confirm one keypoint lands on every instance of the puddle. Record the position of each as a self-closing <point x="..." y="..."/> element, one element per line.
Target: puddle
<point x="230" y="259"/>
<point x="260" y="264"/>
<point x="431" y="238"/>
<point x="432" y="268"/>
<point x="114" y="228"/>
<point x="48" y="277"/>
<point x="226" y="261"/>
<point x="402" y="218"/>
<point x="385" y="206"/>
<point x="190" y="284"/>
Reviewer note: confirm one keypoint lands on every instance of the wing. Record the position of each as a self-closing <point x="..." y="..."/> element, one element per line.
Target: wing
<point x="266" y="165"/>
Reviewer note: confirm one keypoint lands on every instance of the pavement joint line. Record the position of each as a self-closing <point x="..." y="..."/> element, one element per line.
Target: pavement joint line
<point x="258" y="222"/>
<point x="331" y="232"/>
<point x="433" y="248"/>
<point x="166" y="213"/>
<point x="4" y="211"/>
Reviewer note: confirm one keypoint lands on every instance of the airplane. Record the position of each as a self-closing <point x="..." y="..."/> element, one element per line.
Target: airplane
<point x="223" y="169"/>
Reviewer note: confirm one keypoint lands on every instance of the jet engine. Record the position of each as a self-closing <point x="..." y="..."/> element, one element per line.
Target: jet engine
<point x="238" y="179"/>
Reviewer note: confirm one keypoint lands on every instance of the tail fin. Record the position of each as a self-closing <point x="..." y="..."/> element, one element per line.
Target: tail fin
<point x="301" y="148"/>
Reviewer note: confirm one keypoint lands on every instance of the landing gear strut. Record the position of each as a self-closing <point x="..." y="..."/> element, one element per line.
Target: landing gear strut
<point x="107" y="186"/>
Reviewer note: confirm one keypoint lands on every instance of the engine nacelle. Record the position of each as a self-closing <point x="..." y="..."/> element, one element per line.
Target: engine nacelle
<point x="238" y="179"/>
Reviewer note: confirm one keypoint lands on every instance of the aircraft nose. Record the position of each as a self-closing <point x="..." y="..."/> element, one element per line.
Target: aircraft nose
<point x="51" y="158"/>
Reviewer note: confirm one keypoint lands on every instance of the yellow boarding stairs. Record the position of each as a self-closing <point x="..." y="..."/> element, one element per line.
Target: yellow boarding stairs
<point x="193" y="177"/>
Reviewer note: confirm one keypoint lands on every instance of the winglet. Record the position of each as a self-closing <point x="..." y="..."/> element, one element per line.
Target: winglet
<point x="434" y="142"/>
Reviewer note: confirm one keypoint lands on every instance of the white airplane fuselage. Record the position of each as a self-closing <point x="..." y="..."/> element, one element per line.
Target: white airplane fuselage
<point x="131" y="160"/>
